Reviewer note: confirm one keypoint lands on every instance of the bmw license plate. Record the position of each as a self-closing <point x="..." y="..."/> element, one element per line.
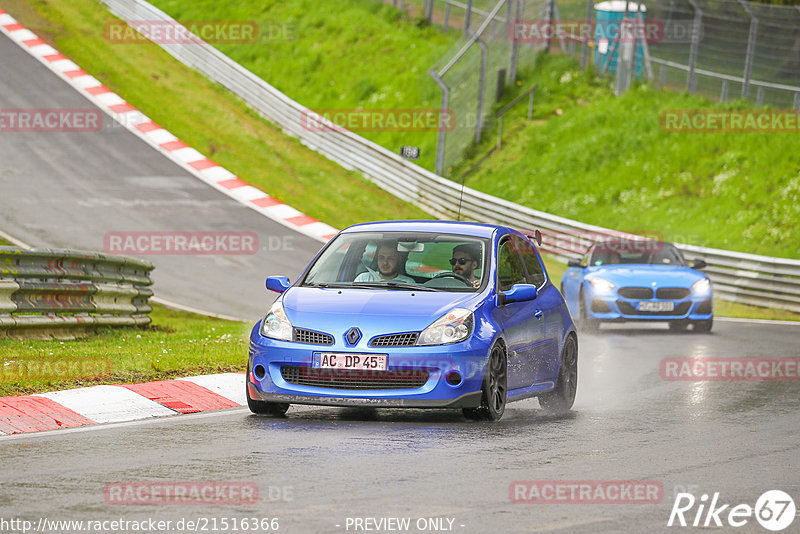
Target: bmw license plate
<point x="340" y="360"/>
<point x="656" y="306"/>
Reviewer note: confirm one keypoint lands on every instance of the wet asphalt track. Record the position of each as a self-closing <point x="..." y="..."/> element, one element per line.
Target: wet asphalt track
<point x="328" y="464"/>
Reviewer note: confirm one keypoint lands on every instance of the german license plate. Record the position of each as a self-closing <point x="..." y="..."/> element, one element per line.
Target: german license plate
<point x="341" y="360"/>
<point x="656" y="306"/>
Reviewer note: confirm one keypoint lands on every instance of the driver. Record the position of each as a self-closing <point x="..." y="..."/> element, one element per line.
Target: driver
<point x="465" y="261"/>
<point x="390" y="265"/>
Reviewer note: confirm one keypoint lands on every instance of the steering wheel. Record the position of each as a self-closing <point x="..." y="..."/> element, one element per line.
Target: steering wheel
<point x="457" y="276"/>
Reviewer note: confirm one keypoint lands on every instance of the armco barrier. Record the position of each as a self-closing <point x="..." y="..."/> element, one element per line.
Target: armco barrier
<point x="61" y="292"/>
<point x="746" y="278"/>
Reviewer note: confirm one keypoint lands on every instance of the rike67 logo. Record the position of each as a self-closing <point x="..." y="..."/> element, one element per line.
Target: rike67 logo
<point x="774" y="510"/>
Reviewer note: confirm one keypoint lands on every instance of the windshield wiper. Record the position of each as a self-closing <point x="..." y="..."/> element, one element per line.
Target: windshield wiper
<point x="393" y="285"/>
<point x="326" y="285"/>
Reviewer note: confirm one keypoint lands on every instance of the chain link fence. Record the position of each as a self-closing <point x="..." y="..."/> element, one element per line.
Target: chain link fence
<point x="723" y="49"/>
<point x="485" y="59"/>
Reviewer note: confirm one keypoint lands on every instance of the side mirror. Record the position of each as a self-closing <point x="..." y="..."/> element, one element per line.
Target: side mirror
<point x="699" y="264"/>
<point x="519" y="293"/>
<point x="279" y="284"/>
<point x="573" y="263"/>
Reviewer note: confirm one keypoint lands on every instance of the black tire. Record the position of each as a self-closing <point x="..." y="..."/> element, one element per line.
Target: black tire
<point x="561" y="399"/>
<point x="584" y="323"/>
<point x="495" y="388"/>
<point x="703" y="326"/>
<point x="275" y="409"/>
<point x="678" y="326"/>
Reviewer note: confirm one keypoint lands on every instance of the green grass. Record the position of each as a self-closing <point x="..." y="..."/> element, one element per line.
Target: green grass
<point x="360" y="55"/>
<point x="4" y="243"/>
<point x="207" y="117"/>
<point x="596" y="158"/>
<point x="175" y="344"/>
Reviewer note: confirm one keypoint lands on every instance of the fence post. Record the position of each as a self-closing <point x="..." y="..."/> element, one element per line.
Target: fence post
<point x="468" y="17"/>
<point x="512" y="68"/>
<point x="760" y="96"/>
<point x="551" y="12"/>
<point x="662" y="77"/>
<point x="530" y="104"/>
<point x="441" y="135"/>
<point x="589" y="17"/>
<point x="691" y="77"/>
<point x="481" y="88"/>
<point x="797" y="101"/>
<point x="446" y="15"/>
<point x="500" y="132"/>
<point x="751" y="46"/>
<point x="724" y="95"/>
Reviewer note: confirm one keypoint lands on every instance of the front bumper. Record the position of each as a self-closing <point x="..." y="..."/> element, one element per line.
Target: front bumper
<point x="614" y="307"/>
<point x="274" y="364"/>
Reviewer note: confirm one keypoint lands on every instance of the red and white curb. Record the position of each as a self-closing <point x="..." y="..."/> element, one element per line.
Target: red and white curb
<point x="126" y="402"/>
<point x="159" y="138"/>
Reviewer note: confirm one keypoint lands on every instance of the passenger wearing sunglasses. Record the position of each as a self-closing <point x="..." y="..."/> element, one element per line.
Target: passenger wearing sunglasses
<point x="465" y="261"/>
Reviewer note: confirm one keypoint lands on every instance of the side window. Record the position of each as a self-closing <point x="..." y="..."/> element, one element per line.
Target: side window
<point x="532" y="265"/>
<point x="509" y="267"/>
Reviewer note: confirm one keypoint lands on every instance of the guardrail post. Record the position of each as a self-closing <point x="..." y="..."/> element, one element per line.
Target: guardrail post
<point x="691" y="77"/>
<point x="441" y="135"/>
<point x="481" y="88"/>
<point x="468" y="17"/>
<point x="751" y="46"/>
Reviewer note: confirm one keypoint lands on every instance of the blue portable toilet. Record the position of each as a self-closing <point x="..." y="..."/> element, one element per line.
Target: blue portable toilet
<point x="608" y="20"/>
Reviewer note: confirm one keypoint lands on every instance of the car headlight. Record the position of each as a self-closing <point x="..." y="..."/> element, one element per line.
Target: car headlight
<point x="452" y="327"/>
<point x="601" y="285"/>
<point x="276" y="325"/>
<point x="702" y="287"/>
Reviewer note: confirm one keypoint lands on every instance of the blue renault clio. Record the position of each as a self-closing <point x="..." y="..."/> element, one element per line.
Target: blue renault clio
<point x="416" y="314"/>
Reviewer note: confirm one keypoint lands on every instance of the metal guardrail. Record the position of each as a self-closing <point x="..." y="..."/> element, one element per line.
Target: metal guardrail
<point x="62" y="292"/>
<point x="746" y="278"/>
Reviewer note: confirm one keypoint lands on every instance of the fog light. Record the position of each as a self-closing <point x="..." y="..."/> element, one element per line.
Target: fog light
<point x="259" y="371"/>
<point x="453" y="378"/>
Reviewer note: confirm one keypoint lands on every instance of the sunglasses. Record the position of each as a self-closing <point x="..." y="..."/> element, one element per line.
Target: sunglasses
<point x="460" y="261"/>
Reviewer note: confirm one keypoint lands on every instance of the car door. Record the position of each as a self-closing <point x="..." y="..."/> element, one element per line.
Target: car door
<point x="546" y="353"/>
<point x="518" y="321"/>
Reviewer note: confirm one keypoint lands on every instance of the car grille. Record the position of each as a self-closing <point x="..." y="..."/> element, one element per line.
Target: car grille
<point x="672" y="293"/>
<point x="354" y="379"/>
<point x="627" y="309"/>
<point x="395" y="340"/>
<point x="301" y="335"/>
<point x="641" y="293"/>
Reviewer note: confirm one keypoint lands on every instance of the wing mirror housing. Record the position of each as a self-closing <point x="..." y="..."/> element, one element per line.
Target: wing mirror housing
<point x="573" y="263"/>
<point x="699" y="264"/>
<point x="518" y="293"/>
<point x="279" y="284"/>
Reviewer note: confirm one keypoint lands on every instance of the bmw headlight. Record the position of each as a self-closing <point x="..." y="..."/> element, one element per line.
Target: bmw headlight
<point x="452" y="327"/>
<point x="276" y="325"/>
<point x="702" y="287"/>
<point x="601" y="285"/>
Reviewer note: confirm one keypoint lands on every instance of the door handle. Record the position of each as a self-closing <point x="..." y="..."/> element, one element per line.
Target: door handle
<point x="538" y="314"/>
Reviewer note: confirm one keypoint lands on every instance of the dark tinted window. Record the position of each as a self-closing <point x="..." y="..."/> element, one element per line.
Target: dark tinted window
<point x="509" y="267"/>
<point x="532" y="265"/>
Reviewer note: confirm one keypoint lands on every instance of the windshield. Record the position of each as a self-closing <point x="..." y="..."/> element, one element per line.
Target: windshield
<point x="641" y="252"/>
<point x="403" y="261"/>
